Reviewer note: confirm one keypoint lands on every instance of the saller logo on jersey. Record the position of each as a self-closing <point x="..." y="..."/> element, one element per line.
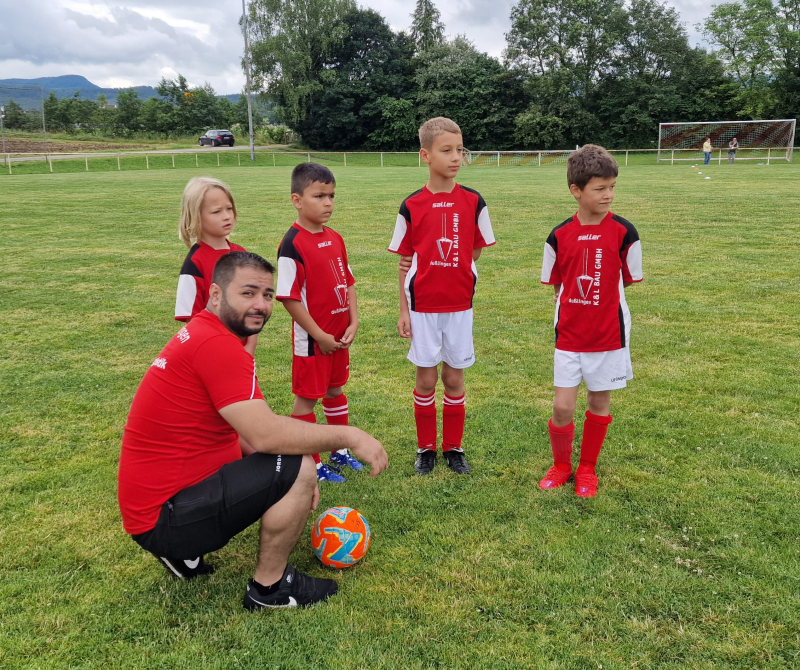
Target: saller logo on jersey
<point x="442" y="204"/>
<point x="324" y="244"/>
<point x="581" y="238"/>
<point x="160" y="363"/>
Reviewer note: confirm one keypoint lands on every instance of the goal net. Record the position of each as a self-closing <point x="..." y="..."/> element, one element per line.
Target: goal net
<point x="758" y="140"/>
<point x="22" y="123"/>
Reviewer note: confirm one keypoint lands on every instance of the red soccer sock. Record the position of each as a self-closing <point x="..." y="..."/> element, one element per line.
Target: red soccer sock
<point x="425" y="416"/>
<point x="453" y="415"/>
<point x="336" y="412"/>
<point x="561" y="438"/>
<point x="594" y="434"/>
<point x="309" y="418"/>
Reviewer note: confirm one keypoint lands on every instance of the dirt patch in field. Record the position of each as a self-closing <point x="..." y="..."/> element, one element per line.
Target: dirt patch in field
<point x="33" y="147"/>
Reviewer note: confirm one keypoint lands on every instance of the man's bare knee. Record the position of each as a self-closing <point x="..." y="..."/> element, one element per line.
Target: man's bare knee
<point x="308" y="472"/>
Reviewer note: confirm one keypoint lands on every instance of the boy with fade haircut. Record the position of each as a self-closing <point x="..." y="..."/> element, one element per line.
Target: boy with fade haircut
<point x="439" y="234"/>
<point x="317" y="287"/>
<point x="589" y="259"/>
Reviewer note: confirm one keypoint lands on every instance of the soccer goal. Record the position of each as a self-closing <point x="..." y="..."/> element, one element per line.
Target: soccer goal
<point x="758" y="140"/>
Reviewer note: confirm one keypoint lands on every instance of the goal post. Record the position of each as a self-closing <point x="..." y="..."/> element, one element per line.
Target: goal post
<point x="758" y="140"/>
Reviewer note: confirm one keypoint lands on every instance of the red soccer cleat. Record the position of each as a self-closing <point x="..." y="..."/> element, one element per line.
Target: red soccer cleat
<point x="554" y="478"/>
<point x="585" y="484"/>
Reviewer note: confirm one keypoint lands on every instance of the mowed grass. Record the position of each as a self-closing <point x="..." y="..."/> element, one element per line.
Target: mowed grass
<point x="688" y="558"/>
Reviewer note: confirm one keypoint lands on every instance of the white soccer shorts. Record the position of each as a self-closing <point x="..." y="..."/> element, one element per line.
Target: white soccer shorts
<point x="445" y="336"/>
<point x="601" y="370"/>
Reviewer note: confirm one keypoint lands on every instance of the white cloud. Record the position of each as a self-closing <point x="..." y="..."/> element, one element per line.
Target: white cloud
<point x="138" y="43"/>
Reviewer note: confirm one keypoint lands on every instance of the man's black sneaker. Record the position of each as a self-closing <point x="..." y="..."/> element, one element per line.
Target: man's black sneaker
<point x="426" y="461"/>
<point x="295" y="590"/>
<point x="456" y="462"/>
<point x="186" y="569"/>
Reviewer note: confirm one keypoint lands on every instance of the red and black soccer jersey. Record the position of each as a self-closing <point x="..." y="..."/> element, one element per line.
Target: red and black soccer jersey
<point x="195" y="279"/>
<point x="439" y="232"/>
<point x="591" y="263"/>
<point x="175" y="436"/>
<point x="313" y="268"/>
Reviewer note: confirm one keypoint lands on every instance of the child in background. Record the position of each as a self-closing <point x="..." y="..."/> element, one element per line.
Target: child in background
<point x="317" y="288"/>
<point x="439" y="234"/>
<point x="589" y="260"/>
<point x="208" y="216"/>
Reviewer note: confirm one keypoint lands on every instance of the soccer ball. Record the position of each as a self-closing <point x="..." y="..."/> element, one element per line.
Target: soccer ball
<point x="340" y="537"/>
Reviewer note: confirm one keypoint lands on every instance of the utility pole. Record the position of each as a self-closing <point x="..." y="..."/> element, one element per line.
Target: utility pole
<point x="2" y="132"/>
<point x="247" y="78"/>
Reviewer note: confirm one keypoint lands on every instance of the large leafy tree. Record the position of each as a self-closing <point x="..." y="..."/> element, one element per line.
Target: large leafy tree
<point x="456" y="80"/>
<point x="289" y="43"/>
<point x="370" y="64"/>
<point x="563" y="49"/>
<point x="14" y="116"/>
<point x="759" y="43"/>
<point x="427" y="29"/>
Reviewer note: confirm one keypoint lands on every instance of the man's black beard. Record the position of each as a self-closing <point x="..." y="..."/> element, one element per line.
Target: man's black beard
<point x="235" y="322"/>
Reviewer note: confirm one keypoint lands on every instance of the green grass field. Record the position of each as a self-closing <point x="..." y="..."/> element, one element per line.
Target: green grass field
<point x="688" y="558"/>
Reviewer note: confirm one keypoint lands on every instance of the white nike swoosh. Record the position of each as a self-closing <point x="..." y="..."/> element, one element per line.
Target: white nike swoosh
<point x="292" y="602"/>
<point x="192" y="564"/>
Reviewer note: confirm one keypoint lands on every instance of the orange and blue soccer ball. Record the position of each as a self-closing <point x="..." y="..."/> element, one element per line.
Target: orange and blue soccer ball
<point x="340" y="537"/>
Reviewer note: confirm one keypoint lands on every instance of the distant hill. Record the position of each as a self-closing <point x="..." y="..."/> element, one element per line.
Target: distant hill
<point x="65" y="87"/>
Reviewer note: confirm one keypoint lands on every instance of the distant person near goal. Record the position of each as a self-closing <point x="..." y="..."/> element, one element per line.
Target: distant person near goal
<point x="184" y="488"/>
<point x="733" y="145"/>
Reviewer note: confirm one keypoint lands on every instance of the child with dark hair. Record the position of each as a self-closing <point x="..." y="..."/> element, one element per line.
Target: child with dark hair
<point x="589" y="259"/>
<point x="317" y="287"/>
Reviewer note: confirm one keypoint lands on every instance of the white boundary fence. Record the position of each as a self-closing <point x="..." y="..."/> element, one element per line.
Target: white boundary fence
<point x="186" y="158"/>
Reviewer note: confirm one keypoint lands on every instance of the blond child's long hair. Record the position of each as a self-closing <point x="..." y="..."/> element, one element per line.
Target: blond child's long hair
<point x="190" y="226"/>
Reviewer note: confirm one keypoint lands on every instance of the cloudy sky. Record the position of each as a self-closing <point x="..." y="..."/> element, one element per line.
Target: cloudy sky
<point x="137" y="43"/>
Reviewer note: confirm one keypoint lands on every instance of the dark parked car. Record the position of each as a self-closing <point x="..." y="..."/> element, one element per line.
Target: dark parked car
<point x="216" y="137"/>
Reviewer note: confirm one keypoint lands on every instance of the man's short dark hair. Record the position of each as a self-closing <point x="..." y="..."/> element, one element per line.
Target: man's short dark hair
<point x="590" y="161"/>
<point x="226" y="266"/>
<point x="306" y="174"/>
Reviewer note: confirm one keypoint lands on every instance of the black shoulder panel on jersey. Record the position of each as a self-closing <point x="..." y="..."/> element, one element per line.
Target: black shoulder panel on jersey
<point x="188" y="267"/>
<point x="552" y="240"/>
<point x="481" y="202"/>
<point x="631" y="234"/>
<point x="404" y="211"/>
<point x="287" y="248"/>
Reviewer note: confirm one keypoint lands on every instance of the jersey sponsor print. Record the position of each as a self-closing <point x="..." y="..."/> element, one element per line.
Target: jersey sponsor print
<point x="591" y="263"/>
<point x="175" y="436"/>
<point x="313" y="268"/>
<point x="195" y="278"/>
<point x="439" y="231"/>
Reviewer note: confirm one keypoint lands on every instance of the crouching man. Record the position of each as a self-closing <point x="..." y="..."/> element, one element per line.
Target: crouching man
<point x="184" y="488"/>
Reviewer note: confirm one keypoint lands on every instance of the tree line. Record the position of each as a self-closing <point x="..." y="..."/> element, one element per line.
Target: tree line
<point x="573" y="71"/>
<point x="179" y="110"/>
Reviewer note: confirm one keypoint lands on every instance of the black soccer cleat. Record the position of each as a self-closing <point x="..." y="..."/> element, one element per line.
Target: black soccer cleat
<point x="295" y="590"/>
<point x="186" y="569"/>
<point x="426" y="461"/>
<point x="456" y="462"/>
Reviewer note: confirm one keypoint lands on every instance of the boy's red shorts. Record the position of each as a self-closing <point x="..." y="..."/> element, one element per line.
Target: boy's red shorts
<point x="312" y="376"/>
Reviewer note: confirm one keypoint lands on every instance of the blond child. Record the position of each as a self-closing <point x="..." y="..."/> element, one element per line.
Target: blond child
<point x="208" y="217"/>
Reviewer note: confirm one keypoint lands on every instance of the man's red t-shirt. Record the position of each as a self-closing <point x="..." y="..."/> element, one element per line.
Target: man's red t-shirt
<point x="175" y="436"/>
<point x="313" y="268"/>
<point x="195" y="278"/>
<point x="439" y="231"/>
<point x="591" y="263"/>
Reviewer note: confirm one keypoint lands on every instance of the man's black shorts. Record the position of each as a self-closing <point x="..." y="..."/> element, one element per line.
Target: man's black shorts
<point x="204" y="517"/>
